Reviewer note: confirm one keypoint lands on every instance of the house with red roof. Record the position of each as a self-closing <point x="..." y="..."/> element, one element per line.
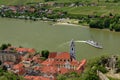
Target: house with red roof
<point x="61" y="62"/>
<point x="52" y="55"/>
<point x="37" y="78"/>
<point x="27" y="50"/>
<point x="21" y="49"/>
<point x="19" y="69"/>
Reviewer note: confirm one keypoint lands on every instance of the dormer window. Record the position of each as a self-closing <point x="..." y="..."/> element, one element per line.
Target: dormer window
<point x="56" y="59"/>
<point x="64" y="60"/>
<point x="68" y="60"/>
<point x="60" y="59"/>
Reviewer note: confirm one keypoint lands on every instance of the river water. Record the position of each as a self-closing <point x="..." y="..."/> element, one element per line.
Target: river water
<point x="42" y="35"/>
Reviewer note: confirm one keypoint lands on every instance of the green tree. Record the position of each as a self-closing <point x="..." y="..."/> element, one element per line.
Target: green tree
<point x="3" y="47"/>
<point x="91" y="76"/>
<point x="45" y="53"/>
<point x="106" y="22"/>
<point x="117" y="27"/>
<point x="116" y="0"/>
<point x="61" y="77"/>
<point x="4" y="68"/>
<point x="118" y="65"/>
<point x="112" y="26"/>
<point x="93" y="24"/>
<point x="97" y="24"/>
<point x="0" y="62"/>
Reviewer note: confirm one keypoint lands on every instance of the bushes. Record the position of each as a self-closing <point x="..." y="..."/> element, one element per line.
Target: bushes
<point x="94" y="65"/>
<point x="45" y="54"/>
<point x="4" y="46"/>
<point x="61" y="77"/>
<point x="101" y="23"/>
<point x="96" y="24"/>
<point x="117" y="27"/>
<point x="69" y="76"/>
<point x="91" y="76"/>
<point x="5" y="75"/>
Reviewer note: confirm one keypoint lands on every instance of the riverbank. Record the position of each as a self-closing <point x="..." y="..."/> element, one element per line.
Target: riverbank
<point x="69" y="24"/>
<point x="61" y="23"/>
<point x="79" y="25"/>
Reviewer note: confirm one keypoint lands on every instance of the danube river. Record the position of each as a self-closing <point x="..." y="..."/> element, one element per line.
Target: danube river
<point x="42" y="35"/>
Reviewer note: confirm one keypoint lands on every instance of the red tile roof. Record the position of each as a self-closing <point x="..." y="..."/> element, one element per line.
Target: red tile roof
<point x="74" y="62"/>
<point x="52" y="55"/>
<point x="49" y="69"/>
<point x="25" y="50"/>
<point x="35" y="78"/>
<point x="48" y="62"/>
<point x="20" y="68"/>
<point x="82" y="64"/>
<point x="63" y="55"/>
<point x="8" y="63"/>
<point x="29" y="50"/>
<point x="63" y="70"/>
<point x="37" y="68"/>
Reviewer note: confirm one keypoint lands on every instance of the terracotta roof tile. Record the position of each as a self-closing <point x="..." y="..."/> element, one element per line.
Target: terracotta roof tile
<point x="48" y="62"/>
<point x="82" y="64"/>
<point x="8" y="63"/>
<point x="63" y="70"/>
<point x="74" y="62"/>
<point x="52" y="55"/>
<point x="25" y="50"/>
<point x="49" y="69"/>
<point x="35" y="78"/>
<point x="63" y="55"/>
<point x="18" y="66"/>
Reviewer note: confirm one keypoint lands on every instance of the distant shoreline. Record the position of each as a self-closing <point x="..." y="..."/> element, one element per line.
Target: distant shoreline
<point x="60" y="23"/>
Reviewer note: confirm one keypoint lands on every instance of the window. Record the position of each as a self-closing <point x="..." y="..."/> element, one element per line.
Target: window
<point x="57" y="60"/>
<point x="68" y="60"/>
<point x="60" y="59"/>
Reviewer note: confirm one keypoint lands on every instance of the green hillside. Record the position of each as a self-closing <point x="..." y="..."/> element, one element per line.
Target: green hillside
<point x="14" y="2"/>
<point x="9" y="2"/>
<point x="97" y="10"/>
<point x="103" y="7"/>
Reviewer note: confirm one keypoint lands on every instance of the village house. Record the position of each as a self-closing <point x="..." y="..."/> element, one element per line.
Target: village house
<point x="13" y="9"/>
<point x="19" y="69"/>
<point x="50" y="3"/>
<point x="62" y="60"/>
<point x="21" y="50"/>
<point x="8" y="64"/>
<point x="9" y="56"/>
<point x="36" y="78"/>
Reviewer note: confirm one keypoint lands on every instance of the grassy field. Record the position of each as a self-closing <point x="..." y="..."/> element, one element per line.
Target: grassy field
<point x="15" y="2"/>
<point x="84" y="1"/>
<point x="98" y="10"/>
<point x="103" y="8"/>
<point x="9" y="2"/>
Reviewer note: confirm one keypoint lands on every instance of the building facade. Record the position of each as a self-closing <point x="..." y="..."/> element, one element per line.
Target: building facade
<point x="8" y="56"/>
